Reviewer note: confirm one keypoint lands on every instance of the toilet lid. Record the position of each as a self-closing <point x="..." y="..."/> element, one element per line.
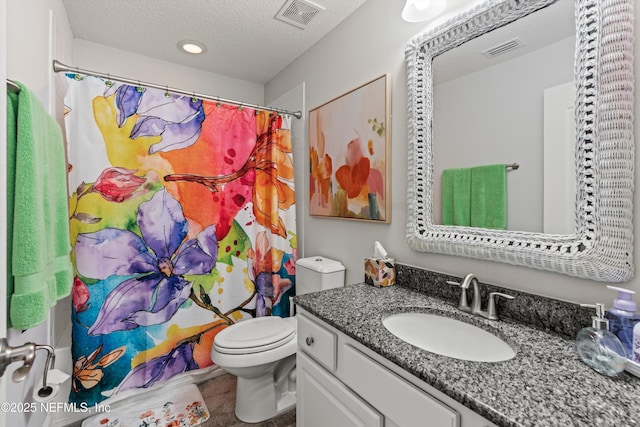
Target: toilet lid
<point x="254" y="335"/>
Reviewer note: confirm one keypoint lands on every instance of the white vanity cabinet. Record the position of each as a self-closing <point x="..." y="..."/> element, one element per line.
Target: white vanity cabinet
<point x="322" y="400"/>
<point x="342" y="383"/>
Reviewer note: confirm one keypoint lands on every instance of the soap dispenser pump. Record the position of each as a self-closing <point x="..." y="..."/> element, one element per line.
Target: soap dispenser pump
<point x="600" y="348"/>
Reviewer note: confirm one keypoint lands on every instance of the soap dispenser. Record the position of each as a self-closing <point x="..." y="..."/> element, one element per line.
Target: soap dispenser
<point x="600" y="348"/>
<point x="622" y="317"/>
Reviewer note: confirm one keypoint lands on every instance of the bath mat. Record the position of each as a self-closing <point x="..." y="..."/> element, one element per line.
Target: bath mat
<point x="167" y="407"/>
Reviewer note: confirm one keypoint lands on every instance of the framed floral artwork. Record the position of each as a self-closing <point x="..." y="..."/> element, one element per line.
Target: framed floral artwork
<point x="350" y="155"/>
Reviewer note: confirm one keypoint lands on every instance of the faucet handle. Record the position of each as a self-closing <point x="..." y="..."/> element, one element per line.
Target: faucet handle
<point x="463" y="304"/>
<point x="491" y="309"/>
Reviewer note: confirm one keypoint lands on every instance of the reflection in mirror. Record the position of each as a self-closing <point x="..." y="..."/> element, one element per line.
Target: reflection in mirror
<point x="595" y="241"/>
<point x="489" y="96"/>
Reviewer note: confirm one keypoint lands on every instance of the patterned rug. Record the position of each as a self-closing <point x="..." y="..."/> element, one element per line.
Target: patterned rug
<point x="171" y="408"/>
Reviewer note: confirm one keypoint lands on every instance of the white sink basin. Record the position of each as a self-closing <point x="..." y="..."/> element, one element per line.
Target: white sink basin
<point x="448" y="337"/>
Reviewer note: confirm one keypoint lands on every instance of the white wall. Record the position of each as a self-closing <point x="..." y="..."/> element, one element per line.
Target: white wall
<point x="367" y="44"/>
<point x="104" y="59"/>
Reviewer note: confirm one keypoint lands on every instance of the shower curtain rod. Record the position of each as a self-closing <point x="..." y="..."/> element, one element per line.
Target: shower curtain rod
<point x="60" y="67"/>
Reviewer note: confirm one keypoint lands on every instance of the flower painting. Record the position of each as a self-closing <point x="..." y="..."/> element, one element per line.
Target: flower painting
<point x="349" y="150"/>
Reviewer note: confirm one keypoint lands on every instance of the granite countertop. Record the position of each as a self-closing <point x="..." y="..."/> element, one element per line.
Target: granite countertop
<point x="545" y="384"/>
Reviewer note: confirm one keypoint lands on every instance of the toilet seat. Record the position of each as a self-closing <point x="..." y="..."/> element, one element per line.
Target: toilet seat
<point x="255" y="336"/>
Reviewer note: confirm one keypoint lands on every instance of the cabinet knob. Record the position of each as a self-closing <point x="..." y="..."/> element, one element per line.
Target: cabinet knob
<point x="309" y="341"/>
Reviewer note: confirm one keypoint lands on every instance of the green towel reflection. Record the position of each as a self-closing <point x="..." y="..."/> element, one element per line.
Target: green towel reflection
<point x="475" y="196"/>
<point x="456" y="196"/>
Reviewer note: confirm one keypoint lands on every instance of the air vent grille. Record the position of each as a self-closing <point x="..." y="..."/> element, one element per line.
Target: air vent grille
<point x="503" y="48"/>
<point x="298" y="12"/>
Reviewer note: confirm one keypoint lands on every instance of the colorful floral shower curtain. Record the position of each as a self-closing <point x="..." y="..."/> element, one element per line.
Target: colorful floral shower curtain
<point x="182" y="223"/>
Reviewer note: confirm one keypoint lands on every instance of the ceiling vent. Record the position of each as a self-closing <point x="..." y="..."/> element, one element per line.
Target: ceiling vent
<point x="505" y="47"/>
<point x="298" y="12"/>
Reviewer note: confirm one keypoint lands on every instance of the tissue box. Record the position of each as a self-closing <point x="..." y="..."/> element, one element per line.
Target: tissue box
<point x="380" y="272"/>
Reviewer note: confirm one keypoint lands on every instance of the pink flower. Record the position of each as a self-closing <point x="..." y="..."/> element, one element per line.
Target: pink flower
<point x="290" y="265"/>
<point x="80" y="295"/>
<point x="118" y="184"/>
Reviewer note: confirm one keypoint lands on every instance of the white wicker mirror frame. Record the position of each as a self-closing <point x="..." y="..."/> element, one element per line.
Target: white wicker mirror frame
<point x="601" y="248"/>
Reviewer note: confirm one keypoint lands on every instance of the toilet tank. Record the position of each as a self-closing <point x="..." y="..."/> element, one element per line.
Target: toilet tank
<point x="318" y="273"/>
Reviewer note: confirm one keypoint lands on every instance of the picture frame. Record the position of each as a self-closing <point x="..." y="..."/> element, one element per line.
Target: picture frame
<point x="350" y="154"/>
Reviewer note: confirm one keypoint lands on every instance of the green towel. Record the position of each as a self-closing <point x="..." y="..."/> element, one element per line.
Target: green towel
<point x="39" y="270"/>
<point x="489" y="196"/>
<point x="456" y="196"/>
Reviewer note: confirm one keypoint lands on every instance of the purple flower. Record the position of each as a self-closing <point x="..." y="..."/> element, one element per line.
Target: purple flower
<point x="262" y="261"/>
<point x="178" y="119"/>
<point x="264" y="293"/>
<point x="157" y="262"/>
<point x="161" y="368"/>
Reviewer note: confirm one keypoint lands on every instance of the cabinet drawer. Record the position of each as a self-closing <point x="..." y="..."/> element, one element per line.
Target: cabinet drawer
<point x="381" y="388"/>
<point x="317" y="341"/>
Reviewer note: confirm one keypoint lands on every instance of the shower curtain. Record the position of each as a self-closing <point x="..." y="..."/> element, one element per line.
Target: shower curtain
<point x="182" y="222"/>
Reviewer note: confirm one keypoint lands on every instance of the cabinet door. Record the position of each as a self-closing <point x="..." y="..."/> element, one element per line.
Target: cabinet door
<point x="401" y="402"/>
<point x="324" y="401"/>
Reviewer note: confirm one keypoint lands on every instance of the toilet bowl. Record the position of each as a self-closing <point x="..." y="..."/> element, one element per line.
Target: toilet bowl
<point x="261" y="352"/>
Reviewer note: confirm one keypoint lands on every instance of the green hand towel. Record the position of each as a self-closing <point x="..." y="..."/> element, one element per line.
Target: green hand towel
<point x="456" y="196"/>
<point x="39" y="266"/>
<point x="489" y="197"/>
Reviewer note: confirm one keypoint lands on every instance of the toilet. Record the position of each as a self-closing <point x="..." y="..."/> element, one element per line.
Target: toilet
<point x="261" y="352"/>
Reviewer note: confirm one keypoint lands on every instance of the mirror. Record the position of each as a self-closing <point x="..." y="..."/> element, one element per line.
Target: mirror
<point x="599" y="245"/>
<point x="499" y="85"/>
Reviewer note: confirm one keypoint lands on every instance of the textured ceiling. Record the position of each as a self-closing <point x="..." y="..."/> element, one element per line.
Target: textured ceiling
<point x="243" y="39"/>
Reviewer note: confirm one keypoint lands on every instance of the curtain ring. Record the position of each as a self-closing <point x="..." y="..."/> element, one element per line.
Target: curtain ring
<point x="77" y="76"/>
<point x="139" y="88"/>
<point x="109" y="82"/>
<point x="193" y="97"/>
<point x="166" y="93"/>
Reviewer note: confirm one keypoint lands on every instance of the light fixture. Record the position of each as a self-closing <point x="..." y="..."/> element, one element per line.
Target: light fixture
<point x="191" y="46"/>
<point x="421" y="10"/>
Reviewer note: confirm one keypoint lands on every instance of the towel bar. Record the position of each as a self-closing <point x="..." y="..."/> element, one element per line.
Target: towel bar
<point x="13" y="87"/>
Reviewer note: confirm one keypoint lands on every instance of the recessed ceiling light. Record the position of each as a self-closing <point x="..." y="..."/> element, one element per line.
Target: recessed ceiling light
<point x="191" y="46"/>
<point x="421" y="10"/>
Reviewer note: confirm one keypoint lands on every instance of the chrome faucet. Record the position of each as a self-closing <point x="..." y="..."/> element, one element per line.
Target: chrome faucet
<point x="26" y="353"/>
<point x="464" y="301"/>
<point x="476" y="303"/>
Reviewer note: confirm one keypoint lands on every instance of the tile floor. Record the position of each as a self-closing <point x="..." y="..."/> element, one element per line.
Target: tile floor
<point x="220" y="396"/>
